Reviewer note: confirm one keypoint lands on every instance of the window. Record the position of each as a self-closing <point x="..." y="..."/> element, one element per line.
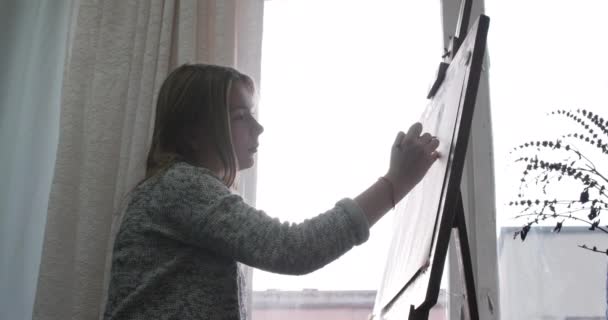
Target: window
<point x="545" y="55"/>
<point x="339" y="79"/>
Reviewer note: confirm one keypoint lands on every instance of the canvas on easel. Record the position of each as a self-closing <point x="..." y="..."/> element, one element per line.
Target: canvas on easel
<point x="426" y="217"/>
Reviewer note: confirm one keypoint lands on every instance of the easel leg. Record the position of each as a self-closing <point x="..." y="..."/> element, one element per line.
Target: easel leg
<point x="418" y="314"/>
<point x="465" y="259"/>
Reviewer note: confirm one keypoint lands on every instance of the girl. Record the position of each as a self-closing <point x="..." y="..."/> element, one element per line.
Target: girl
<point x="176" y="252"/>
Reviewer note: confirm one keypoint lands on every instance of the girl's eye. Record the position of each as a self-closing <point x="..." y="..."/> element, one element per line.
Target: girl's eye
<point x="242" y="115"/>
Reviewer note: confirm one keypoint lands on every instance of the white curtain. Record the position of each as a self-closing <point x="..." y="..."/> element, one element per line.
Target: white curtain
<point x="120" y="53"/>
<point x="33" y="36"/>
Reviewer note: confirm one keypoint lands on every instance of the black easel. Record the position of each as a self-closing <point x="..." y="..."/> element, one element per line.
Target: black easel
<point x="462" y="242"/>
<point x="457" y="82"/>
<point x="459" y="223"/>
<point x="462" y="239"/>
<point x="465" y="262"/>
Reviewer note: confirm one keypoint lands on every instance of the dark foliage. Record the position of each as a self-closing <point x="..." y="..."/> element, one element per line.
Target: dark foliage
<point x="574" y="169"/>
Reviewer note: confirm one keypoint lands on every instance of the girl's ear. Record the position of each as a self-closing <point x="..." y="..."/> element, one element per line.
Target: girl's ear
<point x="194" y="140"/>
<point x="198" y="141"/>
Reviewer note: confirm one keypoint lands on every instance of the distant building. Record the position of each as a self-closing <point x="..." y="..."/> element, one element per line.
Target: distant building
<point x="549" y="277"/>
<point x="313" y="304"/>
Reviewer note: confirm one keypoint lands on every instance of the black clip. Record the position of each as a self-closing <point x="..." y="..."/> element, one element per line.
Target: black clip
<point x="443" y="67"/>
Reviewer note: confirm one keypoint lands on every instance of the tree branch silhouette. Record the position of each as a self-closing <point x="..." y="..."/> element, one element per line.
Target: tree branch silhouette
<point x="575" y="170"/>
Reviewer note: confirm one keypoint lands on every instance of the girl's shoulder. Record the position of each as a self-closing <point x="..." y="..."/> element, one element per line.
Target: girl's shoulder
<point x="180" y="183"/>
<point x="185" y="173"/>
<point x="186" y="178"/>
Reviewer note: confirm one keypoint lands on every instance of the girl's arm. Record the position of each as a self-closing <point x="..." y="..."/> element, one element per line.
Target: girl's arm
<point x="199" y="210"/>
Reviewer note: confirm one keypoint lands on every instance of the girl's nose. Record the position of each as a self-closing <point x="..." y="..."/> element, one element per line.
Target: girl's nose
<point x="258" y="128"/>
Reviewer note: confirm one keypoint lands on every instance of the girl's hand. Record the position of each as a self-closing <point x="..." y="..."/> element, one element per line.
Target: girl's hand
<point x="412" y="155"/>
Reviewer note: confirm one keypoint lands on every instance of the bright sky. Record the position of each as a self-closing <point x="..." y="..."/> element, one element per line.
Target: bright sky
<point x="341" y="77"/>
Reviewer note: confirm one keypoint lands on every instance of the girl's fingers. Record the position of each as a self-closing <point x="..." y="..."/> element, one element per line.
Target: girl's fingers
<point x="399" y="139"/>
<point x="432" y="145"/>
<point x="435" y="155"/>
<point x="426" y="138"/>
<point x="413" y="133"/>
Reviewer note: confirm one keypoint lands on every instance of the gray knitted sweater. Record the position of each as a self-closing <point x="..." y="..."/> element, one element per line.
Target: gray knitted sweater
<point x="176" y="252"/>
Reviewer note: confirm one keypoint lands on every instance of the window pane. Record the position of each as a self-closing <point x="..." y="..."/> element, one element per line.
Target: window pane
<point x="547" y="55"/>
<point x="339" y="79"/>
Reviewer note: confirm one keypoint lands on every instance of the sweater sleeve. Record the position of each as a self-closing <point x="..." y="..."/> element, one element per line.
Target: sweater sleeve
<point x="204" y="213"/>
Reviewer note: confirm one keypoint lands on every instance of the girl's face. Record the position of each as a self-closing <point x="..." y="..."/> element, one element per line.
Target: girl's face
<point x="245" y="128"/>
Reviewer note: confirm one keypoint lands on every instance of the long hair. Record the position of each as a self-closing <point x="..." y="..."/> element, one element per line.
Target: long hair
<point x="192" y="106"/>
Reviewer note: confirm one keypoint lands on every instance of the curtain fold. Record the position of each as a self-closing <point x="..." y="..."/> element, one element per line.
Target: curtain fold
<point x="34" y="36"/>
<point x="120" y="53"/>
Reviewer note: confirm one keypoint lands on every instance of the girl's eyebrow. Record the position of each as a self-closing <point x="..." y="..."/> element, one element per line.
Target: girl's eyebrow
<point x="253" y="109"/>
<point x="239" y="108"/>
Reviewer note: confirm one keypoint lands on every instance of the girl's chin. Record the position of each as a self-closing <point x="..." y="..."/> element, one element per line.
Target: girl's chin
<point x="246" y="163"/>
